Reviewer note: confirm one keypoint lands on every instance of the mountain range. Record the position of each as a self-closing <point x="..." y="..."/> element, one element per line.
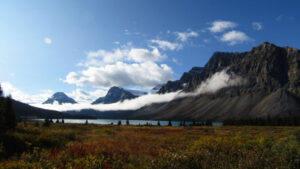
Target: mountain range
<point x="114" y="94"/>
<point x="272" y="88"/>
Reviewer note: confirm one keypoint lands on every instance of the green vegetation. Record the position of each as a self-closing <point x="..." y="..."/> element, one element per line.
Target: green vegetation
<point x="112" y="146"/>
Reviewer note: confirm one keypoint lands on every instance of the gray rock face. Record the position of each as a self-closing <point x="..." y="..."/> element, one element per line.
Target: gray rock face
<point x="172" y="86"/>
<point x="115" y="94"/>
<point x="61" y="98"/>
<point x="273" y="88"/>
<point x="266" y="67"/>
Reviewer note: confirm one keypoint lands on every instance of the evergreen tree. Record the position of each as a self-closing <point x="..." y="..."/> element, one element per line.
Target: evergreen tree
<point x="46" y="122"/>
<point x="127" y="122"/>
<point x="119" y="122"/>
<point x="57" y="121"/>
<point x="9" y="114"/>
<point x="158" y="123"/>
<point x="62" y="121"/>
<point x="86" y="122"/>
<point x="170" y="123"/>
<point x="2" y="119"/>
<point x="1" y="91"/>
<point x="208" y="123"/>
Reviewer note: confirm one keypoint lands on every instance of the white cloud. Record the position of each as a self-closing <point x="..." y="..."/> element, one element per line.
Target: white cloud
<point x="100" y="57"/>
<point x="47" y="40"/>
<point x="234" y="37"/>
<point x="220" y="26"/>
<point x="144" y="55"/>
<point x="257" y="26"/>
<point x="165" y="45"/>
<point x="216" y="82"/>
<point x="82" y="96"/>
<point x="145" y="74"/>
<point x="184" y="36"/>
<point x="124" y="66"/>
<point x="19" y="95"/>
<point x="127" y="53"/>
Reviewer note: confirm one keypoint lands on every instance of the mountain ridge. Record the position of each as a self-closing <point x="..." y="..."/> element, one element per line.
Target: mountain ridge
<point x="115" y="94"/>
<point x="60" y="98"/>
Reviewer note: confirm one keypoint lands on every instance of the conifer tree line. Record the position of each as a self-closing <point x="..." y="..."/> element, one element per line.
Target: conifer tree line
<point x="269" y="121"/>
<point x="7" y="113"/>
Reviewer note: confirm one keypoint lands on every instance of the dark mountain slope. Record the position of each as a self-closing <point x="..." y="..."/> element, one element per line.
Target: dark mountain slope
<point x="23" y="110"/>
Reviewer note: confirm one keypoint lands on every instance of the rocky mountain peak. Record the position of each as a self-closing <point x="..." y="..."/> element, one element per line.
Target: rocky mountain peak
<point x="115" y="94"/>
<point x="59" y="97"/>
<point x="172" y="86"/>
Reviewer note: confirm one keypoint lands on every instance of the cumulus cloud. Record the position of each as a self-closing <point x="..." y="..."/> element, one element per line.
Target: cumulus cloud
<point x="166" y="45"/>
<point x="257" y="26"/>
<point x="145" y="74"/>
<point x="220" y="26"/>
<point x="145" y="55"/>
<point x="124" y="66"/>
<point x="19" y="95"/>
<point x="216" y="82"/>
<point x="234" y="37"/>
<point x="82" y="96"/>
<point x="102" y="57"/>
<point x="47" y="40"/>
<point x="184" y="36"/>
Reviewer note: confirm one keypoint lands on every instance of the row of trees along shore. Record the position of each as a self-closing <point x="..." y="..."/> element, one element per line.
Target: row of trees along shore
<point x="269" y="121"/>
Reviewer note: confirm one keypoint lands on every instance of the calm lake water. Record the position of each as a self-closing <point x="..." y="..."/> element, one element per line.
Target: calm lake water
<point x="131" y="122"/>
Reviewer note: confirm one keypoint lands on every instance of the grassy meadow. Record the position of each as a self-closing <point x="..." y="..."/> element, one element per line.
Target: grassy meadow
<point x="32" y="145"/>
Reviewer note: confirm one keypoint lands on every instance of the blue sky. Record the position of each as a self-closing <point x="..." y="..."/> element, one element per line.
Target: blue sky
<point x="84" y="47"/>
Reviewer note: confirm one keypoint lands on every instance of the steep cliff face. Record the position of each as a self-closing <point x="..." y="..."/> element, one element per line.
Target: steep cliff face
<point x="272" y="89"/>
<point x="172" y="86"/>
<point x="266" y="67"/>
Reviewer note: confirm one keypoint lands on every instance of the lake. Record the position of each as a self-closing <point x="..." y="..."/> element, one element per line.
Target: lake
<point x="131" y="122"/>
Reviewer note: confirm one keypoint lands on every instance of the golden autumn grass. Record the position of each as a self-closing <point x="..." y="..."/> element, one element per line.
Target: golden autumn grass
<point x="107" y="146"/>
